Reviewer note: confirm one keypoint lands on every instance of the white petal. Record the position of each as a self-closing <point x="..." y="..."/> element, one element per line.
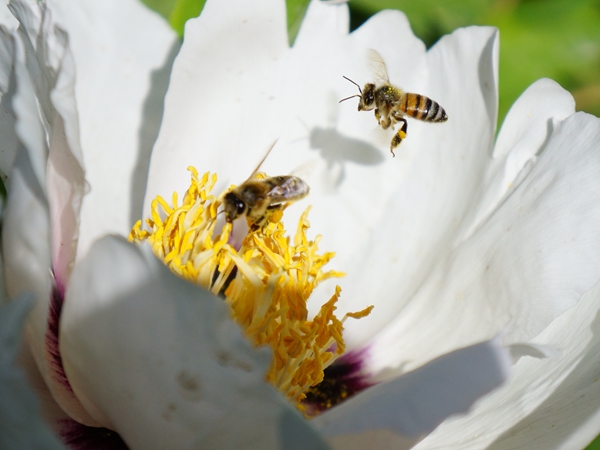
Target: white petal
<point x="26" y="247"/>
<point x="517" y="351"/>
<point x="549" y="403"/>
<point x="222" y="86"/>
<point x="45" y="90"/>
<point x="528" y="263"/>
<point x="26" y="270"/>
<point x="21" y="424"/>
<point x="351" y="178"/>
<point x="431" y="184"/>
<point x="7" y="91"/>
<point x="158" y="360"/>
<point x="298" y="434"/>
<point x="122" y="54"/>
<point x="321" y="23"/>
<point x="6" y="17"/>
<point x="413" y="405"/>
<point x="46" y="186"/>
<point x="29" y="126"/>
<point x="525" y="131"/>
<point x="352" y="184"/>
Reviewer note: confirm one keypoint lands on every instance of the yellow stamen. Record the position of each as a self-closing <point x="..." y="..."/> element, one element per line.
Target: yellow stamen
<point x="266" y="282"/>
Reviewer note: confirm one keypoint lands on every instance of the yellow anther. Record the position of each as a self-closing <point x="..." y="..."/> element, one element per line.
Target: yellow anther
<point x="266" y="282"/>
<point x="360" y="314"/>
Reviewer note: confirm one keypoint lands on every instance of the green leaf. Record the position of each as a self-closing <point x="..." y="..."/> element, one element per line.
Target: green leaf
<point x="163" y="7"/>
<point x="296" y="9"/>
<point x="595" y="445"/>
<point x="182" y="11"/>
<point x="554" y="39"/>
<point x="176" y="12"/>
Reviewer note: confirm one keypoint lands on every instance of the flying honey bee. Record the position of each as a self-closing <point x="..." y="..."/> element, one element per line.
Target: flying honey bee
<point x="258" y="198"/>
<point x="391" y="103"/>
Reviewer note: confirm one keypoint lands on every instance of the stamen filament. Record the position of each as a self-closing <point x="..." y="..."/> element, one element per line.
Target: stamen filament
<point x="266" y="282"/>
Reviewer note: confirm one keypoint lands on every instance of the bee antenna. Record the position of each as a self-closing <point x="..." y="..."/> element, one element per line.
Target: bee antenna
<point x="347" y="98"/>
<point x="263" y="159"/>
<point x="354" y="83"/>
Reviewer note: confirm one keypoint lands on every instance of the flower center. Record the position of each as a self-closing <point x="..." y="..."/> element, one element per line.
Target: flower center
<point x="266" y="282"/>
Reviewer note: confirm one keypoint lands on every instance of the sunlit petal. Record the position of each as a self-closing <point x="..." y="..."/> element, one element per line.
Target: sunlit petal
<point x="432" y="183"/>
<point x="528" y="263"/>
<point x="219" y="95"/>
<point x="122" y="53"/>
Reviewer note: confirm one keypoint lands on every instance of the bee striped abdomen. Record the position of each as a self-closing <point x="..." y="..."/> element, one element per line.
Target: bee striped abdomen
<point x="423" y="108"/>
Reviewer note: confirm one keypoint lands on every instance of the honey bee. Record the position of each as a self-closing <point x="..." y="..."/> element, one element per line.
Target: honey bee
<point x="391" y="103"/>
<point x="259" y="196"/>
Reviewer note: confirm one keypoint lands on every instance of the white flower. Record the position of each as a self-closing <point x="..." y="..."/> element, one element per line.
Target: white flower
<point x="454" y="241"/>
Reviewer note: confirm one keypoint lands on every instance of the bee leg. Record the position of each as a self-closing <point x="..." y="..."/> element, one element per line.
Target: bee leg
<point x="258" y="223"/>
<point x="273" y="213"/>
<point x="385" y="122"/>
<point x="256" y="226"/>
<point x="397" y="116"/>
<point x="399" y="136"/>
<point x="378" y="115"/>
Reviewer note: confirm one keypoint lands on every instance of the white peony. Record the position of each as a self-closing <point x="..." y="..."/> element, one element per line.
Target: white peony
<point x="466" y="248"/>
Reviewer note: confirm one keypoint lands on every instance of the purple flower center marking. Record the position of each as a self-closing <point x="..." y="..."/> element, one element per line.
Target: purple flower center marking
<point x="343" y="379"/>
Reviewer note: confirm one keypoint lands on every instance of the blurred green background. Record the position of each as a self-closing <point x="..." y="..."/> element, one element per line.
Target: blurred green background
<point x="558" y="39"/>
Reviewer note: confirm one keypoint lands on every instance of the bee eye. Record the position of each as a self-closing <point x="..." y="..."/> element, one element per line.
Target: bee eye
<point x="240" y="207"/>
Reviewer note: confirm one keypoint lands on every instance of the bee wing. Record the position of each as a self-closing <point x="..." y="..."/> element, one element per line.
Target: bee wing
<point x="378" y="67"/>
<point x="286" y="189"/>
<point x="305" y="170"/>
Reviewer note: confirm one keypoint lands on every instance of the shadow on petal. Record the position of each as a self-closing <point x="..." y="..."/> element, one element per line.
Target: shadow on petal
<point x="337" y="149"/>
<point x="576" y="392"/>
<point x="152" y="117"/>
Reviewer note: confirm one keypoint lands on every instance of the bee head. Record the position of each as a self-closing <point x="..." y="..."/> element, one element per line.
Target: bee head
<point x="233" y="207"/>
<point x="367" y="99"/>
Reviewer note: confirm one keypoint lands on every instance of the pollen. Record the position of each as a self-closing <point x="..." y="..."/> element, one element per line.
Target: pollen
<point x="266" y="282"/>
